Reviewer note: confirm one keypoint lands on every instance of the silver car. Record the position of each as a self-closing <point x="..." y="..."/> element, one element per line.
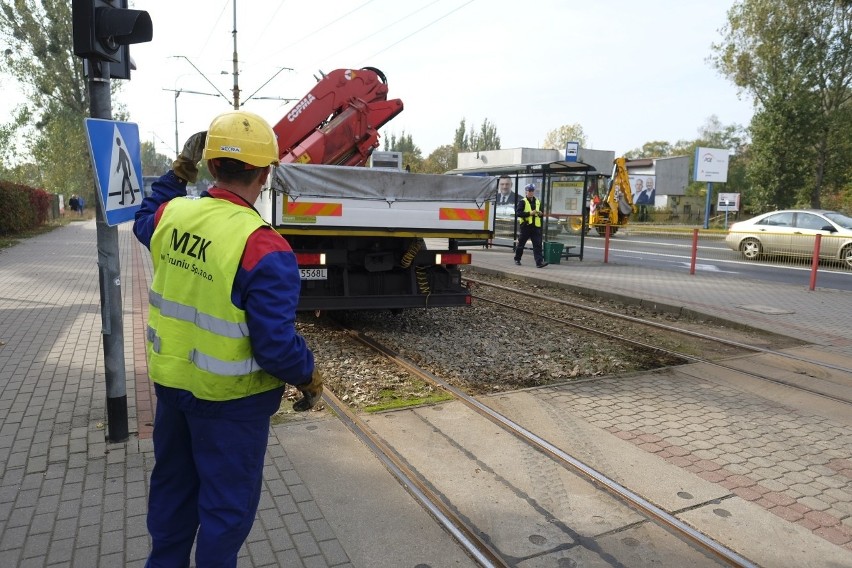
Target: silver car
<point x="793" y="232"/>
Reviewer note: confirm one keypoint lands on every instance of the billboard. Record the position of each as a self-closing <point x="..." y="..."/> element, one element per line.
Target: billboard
<point x="711" y="164"/>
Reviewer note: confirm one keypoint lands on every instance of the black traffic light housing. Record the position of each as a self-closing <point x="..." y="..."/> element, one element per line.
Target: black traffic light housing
<point x="103" y="29"/>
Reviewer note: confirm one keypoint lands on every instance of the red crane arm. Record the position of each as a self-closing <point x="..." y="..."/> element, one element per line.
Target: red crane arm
<point x="337" y="122"/>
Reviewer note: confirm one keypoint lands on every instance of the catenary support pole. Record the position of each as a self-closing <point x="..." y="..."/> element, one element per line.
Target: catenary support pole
<point x="109" y="272"/>
<point x="236" y="64"/>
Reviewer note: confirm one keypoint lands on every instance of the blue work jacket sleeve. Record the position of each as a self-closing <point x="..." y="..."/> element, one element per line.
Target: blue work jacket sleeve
<point x="163" y="190"/>
<point x="268" y="290"/>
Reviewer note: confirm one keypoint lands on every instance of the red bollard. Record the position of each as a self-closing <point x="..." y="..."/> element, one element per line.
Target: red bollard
<point x="694" y="250"/>
<point x="815" y="262"/>
<point x="606" y="245"/>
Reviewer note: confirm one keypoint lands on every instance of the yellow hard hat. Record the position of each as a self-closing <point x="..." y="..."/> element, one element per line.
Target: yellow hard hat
<point x="242" y="136"/>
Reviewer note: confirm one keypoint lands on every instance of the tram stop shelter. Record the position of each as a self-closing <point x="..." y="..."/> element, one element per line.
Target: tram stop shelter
<point x="564" y="188"/>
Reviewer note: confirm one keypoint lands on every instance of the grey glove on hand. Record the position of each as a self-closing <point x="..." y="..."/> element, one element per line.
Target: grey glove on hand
<point x="311" y="393"/>
<point x="186" y="165"/>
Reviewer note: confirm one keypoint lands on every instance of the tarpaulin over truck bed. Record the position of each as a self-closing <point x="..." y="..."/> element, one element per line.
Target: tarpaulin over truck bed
<point x="344" y="182"/>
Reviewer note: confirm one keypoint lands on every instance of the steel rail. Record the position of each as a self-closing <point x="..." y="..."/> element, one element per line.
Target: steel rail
<point x="662" y="326"/>
<point x="669" y="352"/>
<point x="640" y="503"/>
<point x="478" y="549"/>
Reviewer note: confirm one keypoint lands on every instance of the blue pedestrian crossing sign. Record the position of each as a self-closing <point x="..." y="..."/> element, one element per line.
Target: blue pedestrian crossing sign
<point x="117" y="160"/>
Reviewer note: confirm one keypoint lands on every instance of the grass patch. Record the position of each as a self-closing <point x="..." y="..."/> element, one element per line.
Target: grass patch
<point x="390" y="400"/>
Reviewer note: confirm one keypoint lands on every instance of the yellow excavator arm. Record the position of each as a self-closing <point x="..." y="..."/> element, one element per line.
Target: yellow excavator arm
<point x="616" y="207"/>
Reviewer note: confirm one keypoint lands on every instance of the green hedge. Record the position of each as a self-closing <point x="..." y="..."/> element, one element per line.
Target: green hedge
<point x="22" y="207"/>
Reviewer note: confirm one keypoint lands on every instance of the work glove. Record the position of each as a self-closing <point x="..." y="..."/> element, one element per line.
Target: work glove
<point x="186" y="165"/>
<point x="311" y="393"/>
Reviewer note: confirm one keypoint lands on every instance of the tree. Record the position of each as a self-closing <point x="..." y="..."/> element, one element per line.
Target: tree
<point x="652" y="149"/>
<point x="412" y="157"/>
<point x="558" y="139"/>
<point x="40" y="58"/>
<point x="153" y="163"/>
<point x="461" y="141"/>
<point x="486" y="138"/>
<point x="441" y="160"/>
<point x="795" y="58"/>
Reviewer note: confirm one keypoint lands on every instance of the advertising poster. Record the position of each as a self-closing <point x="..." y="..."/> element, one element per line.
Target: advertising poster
<point x="644" y="188"/>
<point x="567" y="198"/>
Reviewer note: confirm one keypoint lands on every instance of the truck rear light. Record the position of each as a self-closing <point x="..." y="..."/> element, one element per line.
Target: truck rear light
<point x="452" y="258"/>
<point x="310" y="259"/>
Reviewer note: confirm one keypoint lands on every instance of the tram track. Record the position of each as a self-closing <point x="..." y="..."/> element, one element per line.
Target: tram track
<point x="554" y="402"/>
<point x="456" y="523"/>
<point x="814" y="372"/>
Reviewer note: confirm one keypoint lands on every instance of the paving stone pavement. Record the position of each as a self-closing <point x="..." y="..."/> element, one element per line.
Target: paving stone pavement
<point x="790" y="462"/>
<point x="67" y="497"/>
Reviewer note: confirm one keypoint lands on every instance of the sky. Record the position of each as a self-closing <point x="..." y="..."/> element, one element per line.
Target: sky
<point x="628" y="72"/>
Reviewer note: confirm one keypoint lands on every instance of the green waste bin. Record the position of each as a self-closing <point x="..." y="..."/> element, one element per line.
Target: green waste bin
<point x="552" y="252"/>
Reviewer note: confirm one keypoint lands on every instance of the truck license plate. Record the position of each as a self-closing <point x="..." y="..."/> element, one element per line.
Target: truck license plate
<point x="313" y="273"/>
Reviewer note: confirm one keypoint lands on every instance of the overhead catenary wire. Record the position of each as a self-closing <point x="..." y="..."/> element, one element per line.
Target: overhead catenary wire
<point x="417" y="31"/>
<point x="269" y="22"/>
<point x="213" y="27"/>
<point x="313" y="32"/>
<point x="380" y="30"/>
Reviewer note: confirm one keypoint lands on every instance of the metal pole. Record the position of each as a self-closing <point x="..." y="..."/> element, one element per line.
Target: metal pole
<point x="177" y="144"/>
<point x="707" y="204"/>
<point x="236" y="66"/>
<point x="815" y="262"/>
<point x="109" y="272"/>
<point x="694" y="251"/>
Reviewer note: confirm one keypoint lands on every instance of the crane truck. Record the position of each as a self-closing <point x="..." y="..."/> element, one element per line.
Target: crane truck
<point x="360" y="233"/>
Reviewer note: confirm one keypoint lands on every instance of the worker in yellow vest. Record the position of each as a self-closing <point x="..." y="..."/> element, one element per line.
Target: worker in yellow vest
<point x="221" y="342"/>
<point x="528" y="212"/>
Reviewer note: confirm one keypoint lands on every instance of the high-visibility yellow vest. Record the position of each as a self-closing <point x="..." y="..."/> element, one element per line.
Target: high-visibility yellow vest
<point x="197" y="340"/>
<point x="528" y="217"/>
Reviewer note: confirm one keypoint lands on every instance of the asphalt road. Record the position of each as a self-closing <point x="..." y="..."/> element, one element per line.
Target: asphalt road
<point x="675" y="254"/>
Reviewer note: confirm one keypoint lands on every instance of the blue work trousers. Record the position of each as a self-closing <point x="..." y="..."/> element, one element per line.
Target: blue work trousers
<point x="527" y="232"/>
<point x="206" y="482"/>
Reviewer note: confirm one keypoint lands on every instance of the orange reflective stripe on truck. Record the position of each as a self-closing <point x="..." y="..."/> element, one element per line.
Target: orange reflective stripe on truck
<point x="307" y="208"/>
<point x="459" y="214"/>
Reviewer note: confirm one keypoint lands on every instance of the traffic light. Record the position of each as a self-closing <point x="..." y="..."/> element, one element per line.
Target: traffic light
<point x="102" y="29"/>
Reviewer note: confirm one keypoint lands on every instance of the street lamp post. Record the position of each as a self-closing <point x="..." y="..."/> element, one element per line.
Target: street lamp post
<point x="177" y="140"/>
<point x="177" y="93"/>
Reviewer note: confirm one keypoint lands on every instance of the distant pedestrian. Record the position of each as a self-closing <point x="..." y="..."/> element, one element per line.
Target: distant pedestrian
<point x="81" y="204"/>
<point x="529" y="216"/>
<point x="74" y="202"/>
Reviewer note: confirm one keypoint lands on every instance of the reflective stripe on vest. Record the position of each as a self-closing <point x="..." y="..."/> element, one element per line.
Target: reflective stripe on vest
<point x="208" y="363"/>
<point x="191" y="314"/>
<point x="197" y="340"/>
<point x="536" y="221"/>
<point x="208" y="323"/>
